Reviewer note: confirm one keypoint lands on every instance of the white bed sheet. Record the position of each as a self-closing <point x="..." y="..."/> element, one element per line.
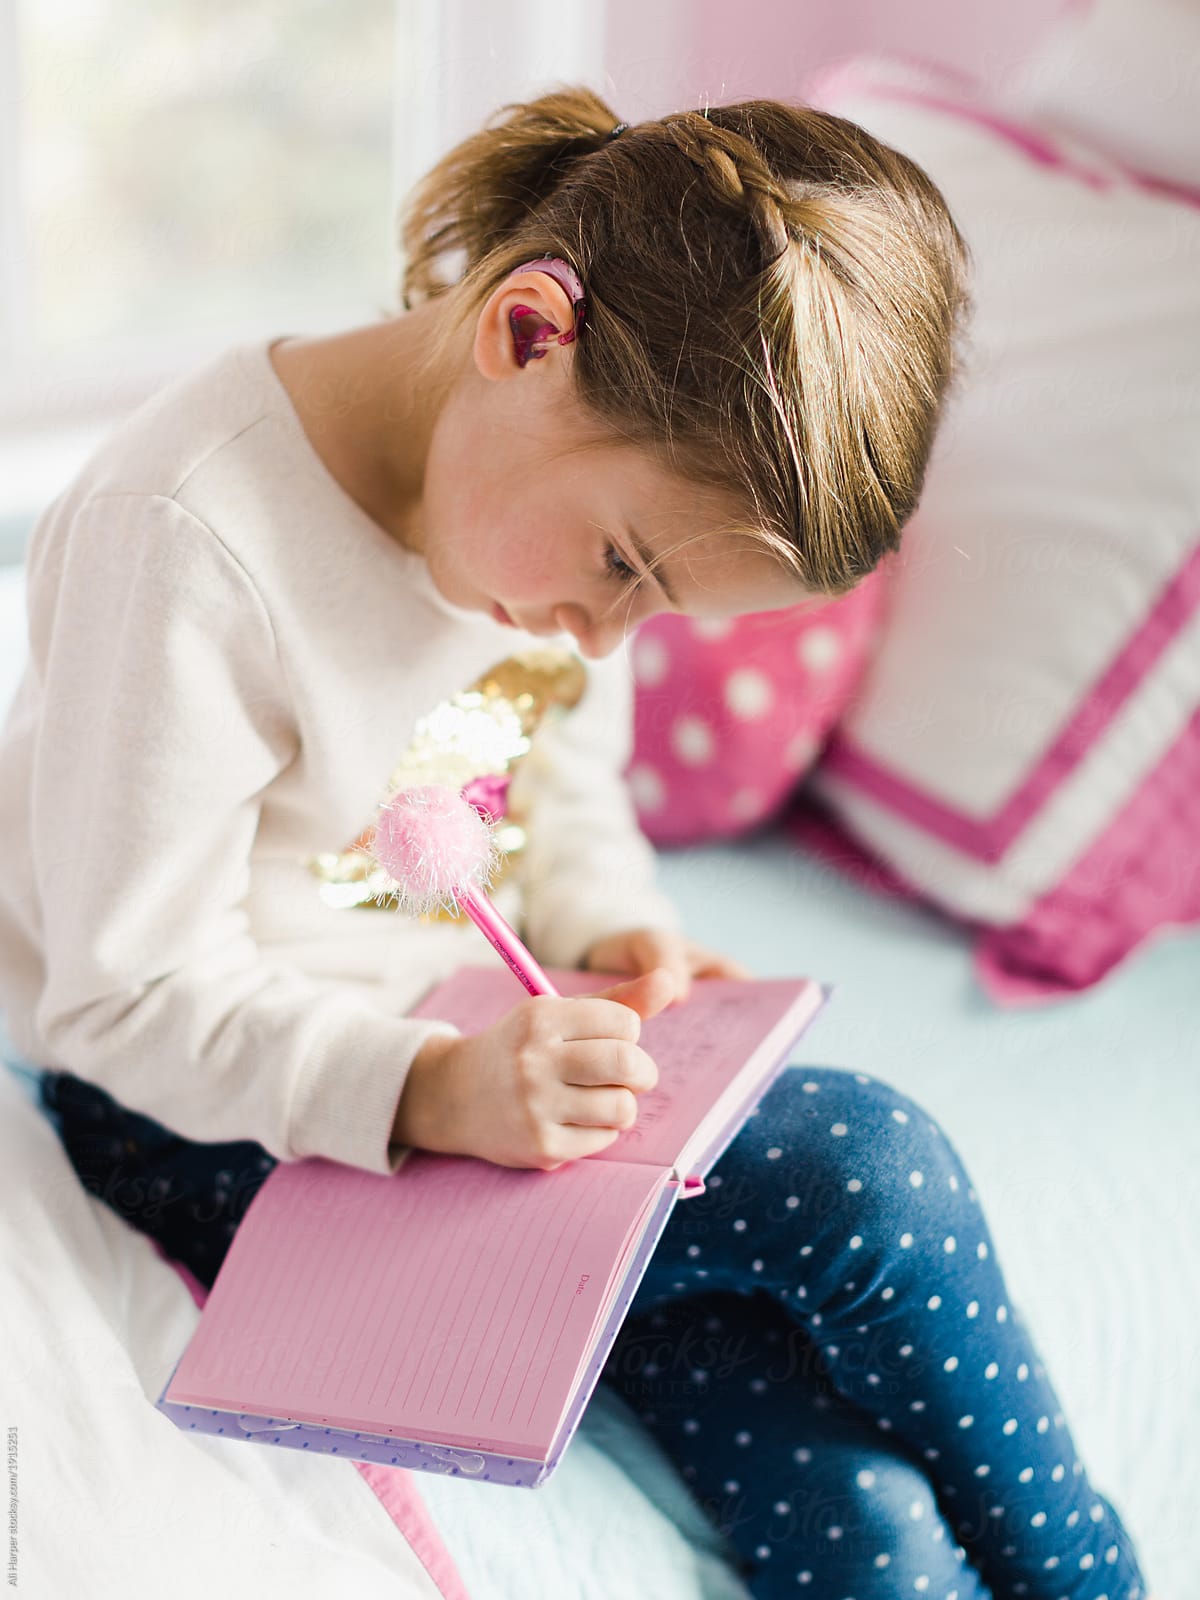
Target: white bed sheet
<point x="113" y="1500"/>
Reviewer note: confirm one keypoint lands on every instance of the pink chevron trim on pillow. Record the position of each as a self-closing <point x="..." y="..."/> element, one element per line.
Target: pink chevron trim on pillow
<point x="868" y="75"/>
<point x="1061" y="945"/>
<point x="1024" y="753"/>
<point x="988" y="839"/>
<point x="1119" y="75"/>
<point x="855" y="76"/>
<point x="1143" y="871"/>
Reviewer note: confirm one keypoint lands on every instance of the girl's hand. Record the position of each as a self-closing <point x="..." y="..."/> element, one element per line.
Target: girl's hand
<point x="554" y="1079"/>
<point x="640" y="950"/>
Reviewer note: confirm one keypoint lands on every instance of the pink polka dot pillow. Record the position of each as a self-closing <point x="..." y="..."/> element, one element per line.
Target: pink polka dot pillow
<point x="729" y="716"/>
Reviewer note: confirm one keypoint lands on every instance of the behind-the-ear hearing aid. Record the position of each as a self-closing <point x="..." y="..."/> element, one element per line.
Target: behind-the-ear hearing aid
<point x="532" y="344"/>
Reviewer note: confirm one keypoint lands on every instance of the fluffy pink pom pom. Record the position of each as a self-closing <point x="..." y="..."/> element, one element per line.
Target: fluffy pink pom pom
<point x="431" y="842"/>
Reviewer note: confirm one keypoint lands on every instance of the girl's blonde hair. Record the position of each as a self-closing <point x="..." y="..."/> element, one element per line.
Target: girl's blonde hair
<point x="774" y="300"/>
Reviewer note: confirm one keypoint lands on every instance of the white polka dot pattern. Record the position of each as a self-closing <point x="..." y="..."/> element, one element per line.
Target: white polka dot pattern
<point x="730" y="713"/>
<point x="692" y="741"/>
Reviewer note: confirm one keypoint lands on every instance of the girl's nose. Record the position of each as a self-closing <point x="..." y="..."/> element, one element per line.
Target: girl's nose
<point x="594" y="639"/>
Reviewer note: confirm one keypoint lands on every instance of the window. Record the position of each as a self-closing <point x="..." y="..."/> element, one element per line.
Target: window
<point x="177" y="177"/>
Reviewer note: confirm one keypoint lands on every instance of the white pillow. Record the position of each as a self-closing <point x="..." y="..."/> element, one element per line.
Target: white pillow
<point x="1024" y="749"/>
<point x="1124" y="74"/>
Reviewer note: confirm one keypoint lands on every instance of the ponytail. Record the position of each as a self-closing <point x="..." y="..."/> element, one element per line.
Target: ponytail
<point x="774" y="300"/>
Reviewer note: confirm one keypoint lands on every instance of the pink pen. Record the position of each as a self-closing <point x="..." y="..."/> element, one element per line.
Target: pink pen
<point x="439" y="851"/>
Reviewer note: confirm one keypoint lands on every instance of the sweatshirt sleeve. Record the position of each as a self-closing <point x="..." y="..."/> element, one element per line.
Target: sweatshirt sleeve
<point x="587" y="869"/>
<point x="164" y="717"/>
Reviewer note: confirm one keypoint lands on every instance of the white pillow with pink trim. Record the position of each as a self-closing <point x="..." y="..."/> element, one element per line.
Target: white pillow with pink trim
<point x="1025" y="750"/>
<point x="1125" y="75"/>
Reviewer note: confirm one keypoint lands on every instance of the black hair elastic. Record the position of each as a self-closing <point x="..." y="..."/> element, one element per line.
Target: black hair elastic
<point x="618" y="130"/>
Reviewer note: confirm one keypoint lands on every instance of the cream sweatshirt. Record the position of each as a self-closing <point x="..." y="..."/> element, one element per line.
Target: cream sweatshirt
<point x="227" y="658"/>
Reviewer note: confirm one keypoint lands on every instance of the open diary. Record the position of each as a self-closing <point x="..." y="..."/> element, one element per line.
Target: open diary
<point x="454" y="1316"/>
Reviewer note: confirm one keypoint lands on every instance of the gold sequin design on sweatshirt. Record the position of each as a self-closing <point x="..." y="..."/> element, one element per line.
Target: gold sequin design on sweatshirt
<point x="483" y="731"/>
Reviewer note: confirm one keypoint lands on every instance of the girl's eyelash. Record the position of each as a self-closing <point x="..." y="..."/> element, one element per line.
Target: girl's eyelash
<point x="617" y="567"/>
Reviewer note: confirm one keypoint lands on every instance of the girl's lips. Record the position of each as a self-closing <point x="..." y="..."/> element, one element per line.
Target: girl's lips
<point x="501" y="615"/>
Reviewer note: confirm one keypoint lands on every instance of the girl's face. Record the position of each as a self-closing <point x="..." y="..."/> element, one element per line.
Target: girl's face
<point x="531" y="517"/>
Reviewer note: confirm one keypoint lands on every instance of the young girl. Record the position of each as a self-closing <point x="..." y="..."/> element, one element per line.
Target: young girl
<point x="693" y="364"/>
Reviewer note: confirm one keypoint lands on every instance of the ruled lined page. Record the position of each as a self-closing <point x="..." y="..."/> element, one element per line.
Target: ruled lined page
<point x="453" y="1300"/>
<point x="725" y="1030"/>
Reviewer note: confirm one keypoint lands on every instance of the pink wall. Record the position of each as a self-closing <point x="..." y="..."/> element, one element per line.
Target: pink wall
<point x="667" y="54"/>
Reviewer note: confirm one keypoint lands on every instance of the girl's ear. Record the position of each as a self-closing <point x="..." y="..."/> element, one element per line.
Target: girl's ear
<point x="524" y="319"/>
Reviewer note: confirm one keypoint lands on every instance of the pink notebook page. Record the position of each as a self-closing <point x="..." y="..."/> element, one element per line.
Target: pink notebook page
<point x="471" y="1293"/>
<point x="438" y="1349"/>
<point x="702" y="1048"/>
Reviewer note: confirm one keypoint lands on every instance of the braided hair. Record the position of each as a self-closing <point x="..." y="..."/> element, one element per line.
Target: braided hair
<point x="775" y="300"/>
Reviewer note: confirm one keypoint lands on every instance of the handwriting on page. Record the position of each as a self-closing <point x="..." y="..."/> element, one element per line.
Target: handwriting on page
<point x="699" y="1046"/>
<point x="697" y="1049"/>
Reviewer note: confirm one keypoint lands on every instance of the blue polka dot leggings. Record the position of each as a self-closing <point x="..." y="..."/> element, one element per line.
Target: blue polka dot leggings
<point x="822" y="1344"/>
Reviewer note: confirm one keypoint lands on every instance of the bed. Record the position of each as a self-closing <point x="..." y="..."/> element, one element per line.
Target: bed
<point x="1079" y="1121"/>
